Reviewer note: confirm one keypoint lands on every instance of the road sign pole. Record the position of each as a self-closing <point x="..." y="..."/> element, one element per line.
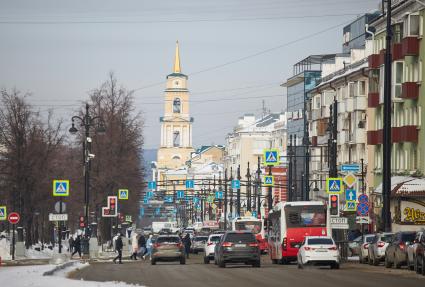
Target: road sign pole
<point x="270" y="198"/>
<point x="13" y="241"/>
<point x="60" y="226"/>
<point x="238" y="193"/>
<point x="225" y="199"/>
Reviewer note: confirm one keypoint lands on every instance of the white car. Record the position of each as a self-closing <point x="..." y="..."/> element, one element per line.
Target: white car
<point x="364" y="248"/>
<point x="213" y="239"/>
<point x="318" y="250"/>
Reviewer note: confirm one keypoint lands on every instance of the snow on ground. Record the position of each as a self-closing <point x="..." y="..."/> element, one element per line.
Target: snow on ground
<point x="32" y="276"/>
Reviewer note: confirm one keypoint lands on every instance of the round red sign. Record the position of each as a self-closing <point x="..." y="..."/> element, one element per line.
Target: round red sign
<point x="14" y="218"/>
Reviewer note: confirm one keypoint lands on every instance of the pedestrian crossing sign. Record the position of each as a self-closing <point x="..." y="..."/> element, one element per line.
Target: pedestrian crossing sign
<point x="268" y="180"/>
<point x="123" y="194"/>
<point x="219" y="194"/>
<point x="180" y="194"/>
<point x="3" y="213"/>
<point x="271" y="157"/>
<point x="350" y="205"/>
<point x="334" y="185"/>
<point x="190" y="184"/>
<point x="61" y="187"/>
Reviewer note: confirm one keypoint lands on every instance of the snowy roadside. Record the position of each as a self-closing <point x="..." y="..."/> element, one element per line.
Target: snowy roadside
<point x="23" y="276"/>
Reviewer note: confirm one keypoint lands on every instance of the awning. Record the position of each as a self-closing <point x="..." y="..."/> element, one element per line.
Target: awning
<point x="405" y="186"/>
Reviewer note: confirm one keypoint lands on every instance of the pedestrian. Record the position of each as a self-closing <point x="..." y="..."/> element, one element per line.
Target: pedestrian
<point x="118" y="248"/>
<point x="134" y="245"/>
<point x="187" y="243"/>
<point x="71" y="243"/>
<point x="77" y="246"/>
<point x="142" y="246"/>
<point x="149" y="246"/>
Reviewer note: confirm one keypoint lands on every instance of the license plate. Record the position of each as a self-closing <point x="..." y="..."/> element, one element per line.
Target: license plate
<point x="240" y="245"/>
<point x="321" y="250"/>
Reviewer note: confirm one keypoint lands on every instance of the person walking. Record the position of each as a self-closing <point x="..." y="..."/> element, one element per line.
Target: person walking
<point x="187" y="243"/>
<point x="142" y="246"/>
<point x="71" y="243"/>
<point x="149" y="246"/>
<point x="77" y="246"/>
<point x="134" y="245"/>
<point x="118" y="247"/>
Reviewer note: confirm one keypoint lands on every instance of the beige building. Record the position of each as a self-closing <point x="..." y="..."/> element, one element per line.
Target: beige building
<point x="176" y="124"/>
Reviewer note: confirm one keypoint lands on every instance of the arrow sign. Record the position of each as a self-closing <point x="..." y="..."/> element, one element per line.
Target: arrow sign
<point x="350" y="194"/>
<point x="152" y="185"/>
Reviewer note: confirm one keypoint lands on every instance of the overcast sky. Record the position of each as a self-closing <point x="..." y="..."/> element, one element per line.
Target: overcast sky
<point x="236" y="50"/>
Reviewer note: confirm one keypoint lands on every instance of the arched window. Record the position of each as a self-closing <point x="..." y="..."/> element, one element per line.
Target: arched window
<point x="176" y="105"/>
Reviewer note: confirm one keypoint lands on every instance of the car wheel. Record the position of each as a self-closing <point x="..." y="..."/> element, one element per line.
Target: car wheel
<point x="206" y="260"/>
<point x="182" y="260"/>
<point x="153" y="262"/>
<point x="396" y="264"/>
<point x="387" y="262"/>
<point x="335" y="265"/>
<point x="375" y="261"/>
<point x="257" y="264"/>
<point x="369" y="260"/>
<point x="222" y="264"/>
<point x="300" y="265"/>
<point x="423" y="266"/>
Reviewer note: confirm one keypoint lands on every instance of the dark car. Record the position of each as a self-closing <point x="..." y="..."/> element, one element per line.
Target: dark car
<point x="396" y="252"/>
<point x="168" y="248"/>
<point x="420" y="255"/>
<point x="238" y="247"/>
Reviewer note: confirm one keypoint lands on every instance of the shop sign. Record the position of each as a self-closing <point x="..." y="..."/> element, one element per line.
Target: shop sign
<point x="412" y="212"/>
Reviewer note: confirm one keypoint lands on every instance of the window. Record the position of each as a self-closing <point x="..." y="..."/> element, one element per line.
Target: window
<point x="176" y="105"/>
<point x="351" y="89"/>
<point x="381" y="84"/>
<point x="362" y="88"/>
<point x="397" y="80"/>
<point x="411" y="25"/>
<point x="176" y="139"/>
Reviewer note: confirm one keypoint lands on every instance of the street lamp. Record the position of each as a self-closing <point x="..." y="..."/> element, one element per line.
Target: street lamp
<point x="87" y="122"/>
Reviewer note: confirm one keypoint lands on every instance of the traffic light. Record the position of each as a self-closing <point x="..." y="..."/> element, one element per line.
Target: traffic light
<point x="82" y="222"/>
<point x="112" y="203"/>
<point x="334" y="204"/>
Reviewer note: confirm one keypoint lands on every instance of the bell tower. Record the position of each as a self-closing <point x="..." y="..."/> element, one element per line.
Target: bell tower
<point x="176" y="124"/>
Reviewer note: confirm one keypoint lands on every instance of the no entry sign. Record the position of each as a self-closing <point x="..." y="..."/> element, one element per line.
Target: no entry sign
<point x="14" y="218"/>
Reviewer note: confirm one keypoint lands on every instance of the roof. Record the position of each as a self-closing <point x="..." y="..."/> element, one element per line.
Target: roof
<point x="405" y="186"/>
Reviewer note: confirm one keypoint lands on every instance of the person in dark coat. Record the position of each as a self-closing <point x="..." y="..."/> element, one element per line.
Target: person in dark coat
<point x="71" y="244"/>
<point x="77" y="246"/>
<point x="118" y="247"/>
<point x="142" y="246"/>
<point x="187" y="243"/>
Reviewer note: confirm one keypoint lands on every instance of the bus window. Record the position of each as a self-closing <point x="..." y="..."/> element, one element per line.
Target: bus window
<point x="253" y="226"/>
<point x="305" y="216"/>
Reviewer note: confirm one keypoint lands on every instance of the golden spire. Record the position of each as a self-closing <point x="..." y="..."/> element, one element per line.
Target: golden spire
<point x="177" y="59"/>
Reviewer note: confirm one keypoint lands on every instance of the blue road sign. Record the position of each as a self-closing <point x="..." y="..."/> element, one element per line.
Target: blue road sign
<point x="334" y="185"/>
<point x="271" y="157"/>
<point x="350" y="205"/>
<point x="190" y="184"/>
<point x="350" y="194"/>
<point x="61" y="188"/>
<point x="254" y="214"/>
<point x="363" y="198"/>
<point x="236" y="184"/>
<point x="145" y="200"/>
<point x="219" y="194"/>
<point x="180" y="194"/>
<point x="195" y="200"/>
<point x="3" y="213"/>
<point x="152" y="185"/>
<point x="123" y="194"/>
<point x="350" y="167"/>
<point x="157" y="210"/>
<point x="142" y="212"/>
<point x="363" y="209"/>
<point x="149" y="194"/>
<point x="168" y="199"/>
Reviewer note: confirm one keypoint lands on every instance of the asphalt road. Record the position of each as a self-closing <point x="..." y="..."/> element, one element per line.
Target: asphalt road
<point x="196" y="274"/>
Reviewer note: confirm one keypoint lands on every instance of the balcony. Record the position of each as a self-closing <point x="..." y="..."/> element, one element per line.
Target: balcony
<point x="343" y="137"/>
<point x="360" y="103"/>
<point x="404" y="134"/>
<point x="325" y="111"/>
<point x="397" y="53"/>
<point x="410" y="90"/>
<point x="410" y="46"/>
<point x="373" y="61"/>
<point x="341" y="107"/>
<point x="316" y="114"/>
<point x="349" y="105"/>
<point x="359" y="136"/>
<point x="373" y="100"/>
<point x="374" y="137"/>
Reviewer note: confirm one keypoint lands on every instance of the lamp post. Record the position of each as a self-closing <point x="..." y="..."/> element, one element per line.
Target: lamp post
<point x="87" y="122"/>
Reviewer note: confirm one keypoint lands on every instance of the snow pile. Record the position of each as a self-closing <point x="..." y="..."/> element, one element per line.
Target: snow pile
<point x="23" y="276"/>
<point x="5" y="249"/>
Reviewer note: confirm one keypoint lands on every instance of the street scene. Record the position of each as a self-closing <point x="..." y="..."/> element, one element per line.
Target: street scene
<point x="234" y="143"/>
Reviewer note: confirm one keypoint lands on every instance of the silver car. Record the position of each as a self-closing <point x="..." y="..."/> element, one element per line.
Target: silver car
<point x="364" y="247"/>
<point x="411" y="250"/>
<point x="378" y="246"/>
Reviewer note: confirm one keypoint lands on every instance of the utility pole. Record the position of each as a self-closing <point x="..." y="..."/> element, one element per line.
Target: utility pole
<point x="306" y="143"/>
<point x="333" y="139"/>
<point x="225" y="199"/>
<point x="248" y="189"/>
<point x="386" y="174"/>
<point x="290" y="169"/>
<point x="238" y="193"/>
<point x="231" y="191"/>
<point x="259" y="190"/>
<point x="295" y="180"/>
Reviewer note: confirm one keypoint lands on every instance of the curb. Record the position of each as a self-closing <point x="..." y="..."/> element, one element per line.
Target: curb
<point x="58" y="268"/>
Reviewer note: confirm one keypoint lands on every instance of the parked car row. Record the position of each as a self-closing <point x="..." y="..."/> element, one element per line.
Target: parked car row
<point x="404" y="248"/>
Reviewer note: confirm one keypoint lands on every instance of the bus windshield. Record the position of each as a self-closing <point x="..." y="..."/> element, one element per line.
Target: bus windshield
<point x="253" y="226"/>
<point x="305" y="216"/>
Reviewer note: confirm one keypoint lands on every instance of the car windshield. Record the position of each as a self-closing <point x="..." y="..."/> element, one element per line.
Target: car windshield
<point x="408" y="237"/>
<point x="369" y="239"/>
<point x="168" y="240"/>
<point x="320" y="241"/>
<point x="253" y="226"/>
<point x="201" y="238"/>
<point x="215" y="239"/>
<point x="305" y="216"/>
<point x="386" y="237"/>
<point x="240" y="237"/>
